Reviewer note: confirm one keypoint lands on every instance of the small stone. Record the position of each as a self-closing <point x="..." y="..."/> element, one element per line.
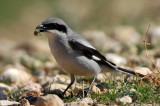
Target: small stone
<point x="4" y="87"/>
<point x="3" y="96"/>
<point x="124" y="100"/>
<point x="32" y="46"/>
<point x="33" y="93"/>
<point x="78" y="90"/>
<point x="154" y="35"/>
<point x="126" y="34"/>
<point x="101" y="77"/>
<point x="158" y="62"/>
<point x="143" y="70"/>
<point x="118" y="87"/>
<point x="89" y="101"/>
<point x="25" y="102"/>
<point x="49" y="100"/>
<point x="96" y="90"/>
<point x="132" y="90"/>
<point x="116" y="59"/>
<point x="31" y="86"/>
<point x="82" y="103"/>
<point x="8" y="103"/>
<point x="94" y="36"/>
<point x="58" y="86"/>
<point x="61" y="79"/>
<point x="15" y="75"/>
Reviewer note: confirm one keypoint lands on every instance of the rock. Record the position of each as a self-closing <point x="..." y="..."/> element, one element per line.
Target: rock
<point x="143" y="70"/>
<point x="58" y="86"/>
<point x="89" y="101"/>
<point x="31" y="86"/>
<point x="33" y="93"/>
<point x="132" y="90"/>
<point x="154" y="35"/>
<point x="82" y="103"/>
<point x="78" y="90"/>
<point x="8" y="103"/>
<point x="4" y="87"/>
<point x="32" y="46"/>
<point x="99" y="40"/>
<point x="31" y="62"/>
<point x="101" y="77"/>
<point x="49" y="100"/>
<point x="94" y="36"/>
<point x="158" y="62"/>
<point x="3" y="96"/>
<point x="15" y="75"/>
<point x="116" y="59"/>
<point x="96" y="90"/>
<point x="124" y="100"/>
<point x="24" y="102"/>
<point x="126" y="34"/>
<point x="61" y="79"/>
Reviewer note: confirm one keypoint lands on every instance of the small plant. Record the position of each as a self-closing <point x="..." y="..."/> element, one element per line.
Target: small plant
<point x="15" y="95"/>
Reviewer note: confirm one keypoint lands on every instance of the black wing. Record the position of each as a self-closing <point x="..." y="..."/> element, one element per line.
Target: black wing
<point x="89" y="52"/>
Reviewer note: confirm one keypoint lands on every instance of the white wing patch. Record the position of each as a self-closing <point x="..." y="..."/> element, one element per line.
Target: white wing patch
<point x="96" y="58"/>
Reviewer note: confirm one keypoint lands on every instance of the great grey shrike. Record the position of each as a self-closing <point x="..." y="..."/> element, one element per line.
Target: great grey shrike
<point x="74" y="53"/>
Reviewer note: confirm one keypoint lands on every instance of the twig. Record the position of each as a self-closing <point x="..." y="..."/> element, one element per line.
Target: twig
<point x="145" y="44"/>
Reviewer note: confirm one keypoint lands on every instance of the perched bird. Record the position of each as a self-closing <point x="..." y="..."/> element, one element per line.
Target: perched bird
<point x="74" y="53"/>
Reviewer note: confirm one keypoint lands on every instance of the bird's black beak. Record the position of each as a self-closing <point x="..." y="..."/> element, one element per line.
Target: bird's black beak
<point x="39" y="28"/>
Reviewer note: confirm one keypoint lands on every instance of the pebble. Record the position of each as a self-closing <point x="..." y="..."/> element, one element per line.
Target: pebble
<point x="33" y="93"/>
<point x="61" y="79"/>
<point x="143" y="70"/>
<point x="96" y="90"/>
<point x="8" y="103"/>
<point x="82" y="103"/>
<point x="49" y="100"/>
<point x="15" y="75"/>
<point x="87" y="100"/>
<point x="24" y="102"/>
<point x="101" y="77"/>
<point x="116" y="59"/>
<point x="58" y="86"/>
<point x="158" y="62"/>
<point x="32" y="46"/>
<point x="124" y="100"/>
<point x="154" y="35"/>
<point x="126" y="34"/>
<point x="94" y="36"/>
<point x="31" y="86"/>
<point x="78" y="90"/>
<point x="4" y="87"/>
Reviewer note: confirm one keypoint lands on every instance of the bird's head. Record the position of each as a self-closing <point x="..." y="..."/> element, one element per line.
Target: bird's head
<point x="52" y="26"/>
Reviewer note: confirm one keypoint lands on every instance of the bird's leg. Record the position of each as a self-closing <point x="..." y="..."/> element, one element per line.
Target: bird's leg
<point x="91" y="85"/>
<point x="72" y="81"/>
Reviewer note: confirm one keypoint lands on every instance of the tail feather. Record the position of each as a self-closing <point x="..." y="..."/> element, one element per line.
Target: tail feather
<point x="123" y="69"/>
<point x="129" y="71"/>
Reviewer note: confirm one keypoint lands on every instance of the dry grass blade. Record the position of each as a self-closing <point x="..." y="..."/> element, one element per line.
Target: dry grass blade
<point x="145" y="44"/>
<point x="155" y="77"/>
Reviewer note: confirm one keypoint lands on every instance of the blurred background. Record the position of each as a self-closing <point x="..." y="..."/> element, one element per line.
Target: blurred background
<point x="19" y="18"/>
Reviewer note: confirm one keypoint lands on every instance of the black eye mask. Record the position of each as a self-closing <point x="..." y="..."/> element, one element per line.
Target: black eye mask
<point x="54" y="26"/>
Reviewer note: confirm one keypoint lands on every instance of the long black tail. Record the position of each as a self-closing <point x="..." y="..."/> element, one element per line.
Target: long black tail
<point x="129" y="71"/>
<point x="123" y="69"/>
